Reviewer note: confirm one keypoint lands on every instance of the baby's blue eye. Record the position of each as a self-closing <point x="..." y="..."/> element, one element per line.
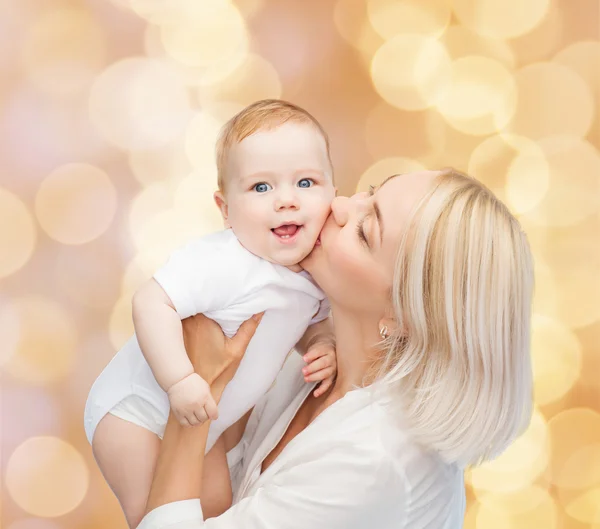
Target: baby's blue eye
<point x="262" y="187"/>
<point x="305" y="182"/>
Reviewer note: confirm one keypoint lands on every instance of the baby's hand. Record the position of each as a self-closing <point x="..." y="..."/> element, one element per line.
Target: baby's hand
<point x="191" y="401"/>
<point x="322" y="365"/>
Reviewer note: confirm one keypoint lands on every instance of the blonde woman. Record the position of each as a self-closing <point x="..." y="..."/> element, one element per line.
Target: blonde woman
<point x="430" y="280"/>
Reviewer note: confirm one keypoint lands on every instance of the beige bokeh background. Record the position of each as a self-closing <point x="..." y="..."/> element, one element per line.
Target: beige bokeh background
<point x="108" y="116"/>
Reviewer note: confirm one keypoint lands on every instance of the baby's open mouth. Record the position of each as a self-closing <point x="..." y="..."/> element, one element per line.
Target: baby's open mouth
<point x="286" y="231"/>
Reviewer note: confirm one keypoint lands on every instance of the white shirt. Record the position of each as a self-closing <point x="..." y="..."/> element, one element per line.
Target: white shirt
<point x="351" y="468"/>
<point x="216" y="276"/>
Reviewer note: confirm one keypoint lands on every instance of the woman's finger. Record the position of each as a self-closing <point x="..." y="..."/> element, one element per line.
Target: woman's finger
<point x="320" y="375"/>
<point x="245" y="333"/>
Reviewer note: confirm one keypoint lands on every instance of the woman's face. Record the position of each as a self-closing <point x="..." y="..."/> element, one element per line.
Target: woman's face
<point x="354" y="264"/>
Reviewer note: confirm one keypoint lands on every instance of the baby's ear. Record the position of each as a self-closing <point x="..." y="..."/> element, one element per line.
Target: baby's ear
<point x="222" y="205"/>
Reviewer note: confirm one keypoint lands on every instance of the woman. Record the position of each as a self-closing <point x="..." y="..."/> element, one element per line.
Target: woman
<point x="430" y="282"/>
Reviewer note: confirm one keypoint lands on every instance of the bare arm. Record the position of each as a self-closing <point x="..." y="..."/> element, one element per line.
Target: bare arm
<point x="180" y="464"/>
<point x="159" y="333"/>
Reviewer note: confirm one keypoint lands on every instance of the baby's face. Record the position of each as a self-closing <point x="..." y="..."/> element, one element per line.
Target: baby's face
<point x="279" y="191"/>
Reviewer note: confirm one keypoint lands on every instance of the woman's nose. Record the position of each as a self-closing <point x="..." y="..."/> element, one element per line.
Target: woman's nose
<point x="339" y="208"/>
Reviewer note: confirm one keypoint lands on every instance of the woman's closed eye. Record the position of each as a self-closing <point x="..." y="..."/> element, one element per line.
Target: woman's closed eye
<point x="360" y="231"/>
<point x="360" y="228"/>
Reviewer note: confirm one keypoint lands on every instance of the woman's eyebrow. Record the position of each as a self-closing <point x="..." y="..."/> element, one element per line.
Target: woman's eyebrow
<point x="379" y="220"/>
<point x="389" y="178"/>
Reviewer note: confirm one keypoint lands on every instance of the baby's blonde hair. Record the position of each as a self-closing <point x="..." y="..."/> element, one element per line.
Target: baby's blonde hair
<point x="266" y="114"/>
<point x="459" y="363"/>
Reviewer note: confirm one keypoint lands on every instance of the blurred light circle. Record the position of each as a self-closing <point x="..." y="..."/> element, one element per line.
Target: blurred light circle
<point x="169" y="230"/>
<point x="528" y="176"/>
<point x="573" y="255"/>
<point x="250" y="8"/>
<point x="151" y="201"/>
<point x="481" y="98"/>
<point x="139" y="103"/>
<point x="382" y="169"/>
<point x="255" y="79"/>
<point x="544" y="39"/>
<point x="17" y="233"/>
<point x="584" y="463"/>
<point x="461" y="42"/>
<point x="515" y="162"/>
<point x="351" y="21"/>
<point x="51" y="58"/>
<point x="523" y="509"/>
<point x="155" y="11"/>
<point x="394" y="17"/>
<point x="545" y="296"/>
<point x="158" y="230"/>
<point x="502" y="19"/>
<point x="47" y="476"/>
<point x="136" y="274"/>
<point x="556" y="357"/>
<point x="205" y="33"/>
<point x="585" y="507"/>
<point x="414" y="135"/>
<point x="574" y="182"/>
<point x="201" y="137"/>
<point x="575" y="434"/>
<point x="519" y="466"/>
<point x="411" y="72"/>
<point x="120" y="325"/>
<point x="56" y="128"/>
<point x="76" y="203"/>
<point x="90" y="275"/>
<point x="167" y="162"/>
<point x="194" y="200"/>
<point x="458" y="148"/>
<point x="194" y="76"/>
<point x="46" y="352"/>
<point x="10" y="329"/>
<point x="43" y="409"/>
<point x="540" y="87"/>
<point x="583" y="58"/>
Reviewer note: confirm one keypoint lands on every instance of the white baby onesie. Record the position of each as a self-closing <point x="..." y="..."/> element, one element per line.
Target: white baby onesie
<point x="216" y="276"/>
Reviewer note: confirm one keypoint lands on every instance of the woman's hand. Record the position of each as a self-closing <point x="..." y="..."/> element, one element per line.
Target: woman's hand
<point x="216" y="357"/>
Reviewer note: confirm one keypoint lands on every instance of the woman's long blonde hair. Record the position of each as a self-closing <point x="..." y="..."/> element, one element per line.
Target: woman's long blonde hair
<point x="462" y="292"/>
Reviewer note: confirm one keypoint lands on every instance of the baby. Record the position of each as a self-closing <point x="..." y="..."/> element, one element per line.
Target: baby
<point x="275" y="190"/>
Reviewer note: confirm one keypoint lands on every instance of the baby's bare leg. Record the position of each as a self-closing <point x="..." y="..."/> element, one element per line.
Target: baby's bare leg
<point x="216" y="483"/>
<point x="126" y="454"/>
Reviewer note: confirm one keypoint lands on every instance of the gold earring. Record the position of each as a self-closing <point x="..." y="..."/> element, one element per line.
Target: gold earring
<point x="383" y="332"/>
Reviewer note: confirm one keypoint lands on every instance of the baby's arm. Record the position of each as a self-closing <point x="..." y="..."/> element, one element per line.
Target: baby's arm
<point x="160" y="335"/>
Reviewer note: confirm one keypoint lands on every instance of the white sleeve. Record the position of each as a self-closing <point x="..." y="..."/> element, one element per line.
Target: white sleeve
<point x="322" y="313"/>
<point x="200" y="277"/>
<point x="344" y="489"/>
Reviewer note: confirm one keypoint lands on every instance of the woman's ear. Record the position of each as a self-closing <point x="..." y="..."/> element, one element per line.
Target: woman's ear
<point x="222" y="205"/>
